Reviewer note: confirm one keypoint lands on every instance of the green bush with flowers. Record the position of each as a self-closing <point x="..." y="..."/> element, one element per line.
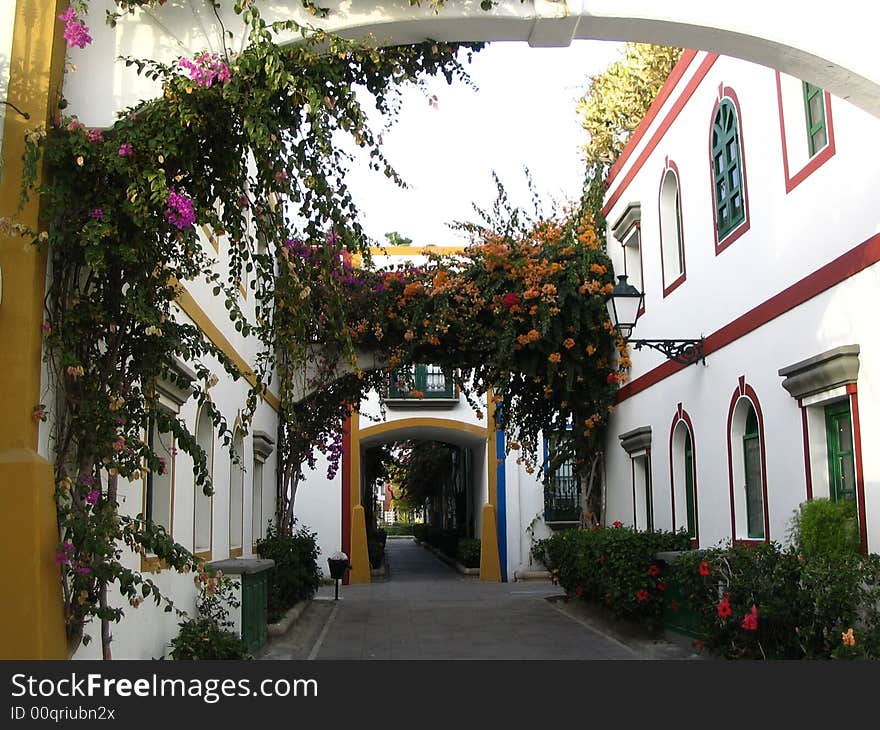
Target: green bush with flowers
<point x="210" y="635"/>
<point x="615" y="566"/>
<point x="768" y="601"/>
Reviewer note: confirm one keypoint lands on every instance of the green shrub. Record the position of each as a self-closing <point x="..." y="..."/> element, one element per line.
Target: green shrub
<point x="420" y="532"/>
<point x="615" y="566"/>
<point x="209" y="635"/>
<point x="823" y="527"/>
<point x="468" y="552"/>
<point x="766" y="601"/>
<point x="400" y="529"/>
<point x="296" y="575"/>
<point x="202" y="638"/>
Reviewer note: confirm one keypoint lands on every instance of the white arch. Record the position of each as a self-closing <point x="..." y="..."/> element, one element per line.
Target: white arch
<point x="830" y="46"/>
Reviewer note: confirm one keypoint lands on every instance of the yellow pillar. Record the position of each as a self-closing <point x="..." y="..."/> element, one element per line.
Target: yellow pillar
<point x="360" y="556"/>
<point x="31" y="617"/>
<point x="490" y="559"/>
<point x="490" y="563"/>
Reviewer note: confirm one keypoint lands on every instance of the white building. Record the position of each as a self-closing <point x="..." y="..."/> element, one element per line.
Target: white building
<point x="738" y="208"/>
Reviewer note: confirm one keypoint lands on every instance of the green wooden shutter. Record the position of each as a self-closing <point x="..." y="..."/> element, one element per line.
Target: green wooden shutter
<point x="814" y="109"/>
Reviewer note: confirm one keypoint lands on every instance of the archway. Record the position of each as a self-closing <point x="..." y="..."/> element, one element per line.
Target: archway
<point x="478" y="440"/>
<point x="834" y="53"/>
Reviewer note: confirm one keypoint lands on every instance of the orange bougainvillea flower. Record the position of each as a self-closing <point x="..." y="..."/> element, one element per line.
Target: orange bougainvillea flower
<point x="848" y="638"/>
<point x="408" y="335"/>
<point x="598" y="269"/>
<point x="534" y="335"/>
<point x="569" y="343"/>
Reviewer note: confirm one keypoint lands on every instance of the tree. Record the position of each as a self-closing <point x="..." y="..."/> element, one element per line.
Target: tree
<point x="612" y="107"/>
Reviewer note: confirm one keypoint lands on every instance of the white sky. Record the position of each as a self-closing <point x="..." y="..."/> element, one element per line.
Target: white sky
<point x="523" y="115"/>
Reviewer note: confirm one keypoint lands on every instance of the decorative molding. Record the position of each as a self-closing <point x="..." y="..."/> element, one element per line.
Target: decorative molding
<point x="639" y="439"/>
<point x="631" y="216"/>
<point x="177" y="385"/>
<point x="264" y="445"/>
<point x="828" y="370"/>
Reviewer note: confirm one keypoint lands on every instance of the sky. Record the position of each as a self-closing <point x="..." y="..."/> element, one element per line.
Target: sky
<point x="522" y="115"/>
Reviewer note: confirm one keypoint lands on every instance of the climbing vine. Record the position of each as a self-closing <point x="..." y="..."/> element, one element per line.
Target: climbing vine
<point x="243" y="151"/>
<point x="238" y="147"/>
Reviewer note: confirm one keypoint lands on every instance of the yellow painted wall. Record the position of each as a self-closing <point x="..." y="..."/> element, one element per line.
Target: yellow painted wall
<point x="31" y="620"/>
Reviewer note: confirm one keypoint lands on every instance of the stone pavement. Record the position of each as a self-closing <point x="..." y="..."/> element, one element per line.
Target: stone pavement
<point x="424" y="609"/>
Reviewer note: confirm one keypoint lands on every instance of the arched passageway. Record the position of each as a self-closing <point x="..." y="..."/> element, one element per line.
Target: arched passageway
<point x="481" y="476"/>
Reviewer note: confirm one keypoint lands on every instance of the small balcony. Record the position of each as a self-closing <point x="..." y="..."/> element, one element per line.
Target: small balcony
<point x="562" y="498"/>
<point x="421" y="386"/>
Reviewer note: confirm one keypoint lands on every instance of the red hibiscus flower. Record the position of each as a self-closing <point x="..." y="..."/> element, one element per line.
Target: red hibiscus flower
<point x="750" y="621"/>
<point x="617" y="523"/>
<point x="510" y="300"/>
<point x="661" y="586"/>
<point x="579" y="591"/>
<point x="601" y="560"/>
<point x="724" y="609"/>
<point x="704" y="568"/>
<point x="612" y="378"/>
<point x="653" y="570"/>
<point x="642" y="595"/>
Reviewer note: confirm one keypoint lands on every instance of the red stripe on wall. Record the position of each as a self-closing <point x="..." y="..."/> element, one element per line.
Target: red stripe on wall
<point x="840" y="269"/>
<point x="671" y="81"/>
<point x="688" y="92"/>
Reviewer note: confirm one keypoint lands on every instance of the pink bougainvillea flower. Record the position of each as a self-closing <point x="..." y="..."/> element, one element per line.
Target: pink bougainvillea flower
<point x="180" y="212"/>
<point x="205" y="69"/>
<point x="724" y="609"/>
<point x="92" y="497"/>
<point x="642" y="595"/>
<point x="75" y="31"/>
<point x="96" y="136"/>
<point x="750" y="621"/>
<point x="97" y="214"/>
<point x="125" y="150"/>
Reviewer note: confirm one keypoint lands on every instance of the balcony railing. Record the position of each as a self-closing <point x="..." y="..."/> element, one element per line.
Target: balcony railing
<point x="422" y="382"/>
<point x="562" y="495"/>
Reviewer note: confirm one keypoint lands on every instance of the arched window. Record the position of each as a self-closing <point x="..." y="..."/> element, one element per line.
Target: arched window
<point x="728" y="189"/>
<point x="671" y="235"/>
<point x="751" y="445"/>
<point x="236" y="494"/>
<point x="683" y="466"/>
<point x="202" y="512"/>
<point x="746" y="457"/>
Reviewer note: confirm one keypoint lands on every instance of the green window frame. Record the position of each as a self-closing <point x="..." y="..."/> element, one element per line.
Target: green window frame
<point x="754" y="481"/>
<point x="814" y="112"/>
<point x="431" y="380"/>
<point x="727" y="166"/>
<point x="841" y="455"/>
<point x="689" y="484"/>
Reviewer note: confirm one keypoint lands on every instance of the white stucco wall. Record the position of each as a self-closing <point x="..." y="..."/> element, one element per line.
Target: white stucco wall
<point x="792" y="234"/>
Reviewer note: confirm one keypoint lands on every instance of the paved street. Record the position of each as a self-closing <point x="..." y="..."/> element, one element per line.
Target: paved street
<point x="424" y="609"/>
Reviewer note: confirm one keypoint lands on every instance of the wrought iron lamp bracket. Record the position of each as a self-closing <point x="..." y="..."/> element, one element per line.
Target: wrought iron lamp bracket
<point x="686" y="352"/>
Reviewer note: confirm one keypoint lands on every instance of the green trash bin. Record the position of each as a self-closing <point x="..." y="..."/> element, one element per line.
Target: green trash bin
<point x="253" y="574"/>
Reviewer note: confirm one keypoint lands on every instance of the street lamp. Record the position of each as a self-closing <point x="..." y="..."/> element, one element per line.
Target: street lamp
<point x="624" y="305"/>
